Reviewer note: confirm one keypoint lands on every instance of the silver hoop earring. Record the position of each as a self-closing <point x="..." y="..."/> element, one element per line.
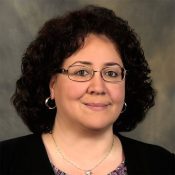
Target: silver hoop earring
<point x="124" y="107"/>
<point x="49" y="103"/>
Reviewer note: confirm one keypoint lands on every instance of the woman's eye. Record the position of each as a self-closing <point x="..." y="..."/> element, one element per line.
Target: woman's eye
<point x="112" y="74"/>
<point x="81" y="73"/>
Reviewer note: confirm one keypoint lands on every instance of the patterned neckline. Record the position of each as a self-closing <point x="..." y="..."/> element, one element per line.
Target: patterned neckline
<point x="120" y="170"/>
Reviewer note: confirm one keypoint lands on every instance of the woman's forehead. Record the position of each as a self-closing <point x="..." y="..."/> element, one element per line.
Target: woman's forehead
<point x="97" y="49"/>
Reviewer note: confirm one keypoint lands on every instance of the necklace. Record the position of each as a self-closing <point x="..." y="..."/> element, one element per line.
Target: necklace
<point x="86" y="172"/>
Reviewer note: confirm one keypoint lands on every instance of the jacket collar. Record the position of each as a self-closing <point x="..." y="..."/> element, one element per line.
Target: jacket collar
<point x="133" y="160"/>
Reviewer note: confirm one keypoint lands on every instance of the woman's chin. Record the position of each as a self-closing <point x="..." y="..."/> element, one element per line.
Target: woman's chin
<point x="98" y="126"/>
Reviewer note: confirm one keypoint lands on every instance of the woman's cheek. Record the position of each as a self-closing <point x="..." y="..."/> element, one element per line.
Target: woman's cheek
<point x="118" y="94"/>
<point x="76" y="90"/>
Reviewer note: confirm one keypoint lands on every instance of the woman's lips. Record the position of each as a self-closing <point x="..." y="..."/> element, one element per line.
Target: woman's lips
<point x="97" y="106"/>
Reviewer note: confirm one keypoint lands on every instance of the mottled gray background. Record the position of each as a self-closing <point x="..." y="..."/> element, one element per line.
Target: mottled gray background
<point x="153" y="20"/>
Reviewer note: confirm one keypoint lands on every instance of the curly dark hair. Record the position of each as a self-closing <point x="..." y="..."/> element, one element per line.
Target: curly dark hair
<point x="58" y="39"/>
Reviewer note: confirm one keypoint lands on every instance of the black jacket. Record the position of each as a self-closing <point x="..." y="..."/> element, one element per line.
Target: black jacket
<point x="27" y="155"/>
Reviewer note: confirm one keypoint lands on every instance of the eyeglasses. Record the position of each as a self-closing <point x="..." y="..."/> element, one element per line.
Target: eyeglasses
<point x="80" y="73"/>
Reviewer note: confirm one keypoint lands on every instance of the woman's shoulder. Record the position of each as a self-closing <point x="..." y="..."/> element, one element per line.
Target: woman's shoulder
<point x="145" y="148"/>
<point x="24" y="154"/>
<point x="22" y="142"/>
<point x="21" y="147"/>
<point x="144" y="156"/>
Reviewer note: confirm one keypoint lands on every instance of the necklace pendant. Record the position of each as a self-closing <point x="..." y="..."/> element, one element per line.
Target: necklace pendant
<point x="88" y="172"/>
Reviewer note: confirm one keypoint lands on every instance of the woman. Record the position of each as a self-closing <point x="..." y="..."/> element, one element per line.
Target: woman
<point x="84" y="79"/>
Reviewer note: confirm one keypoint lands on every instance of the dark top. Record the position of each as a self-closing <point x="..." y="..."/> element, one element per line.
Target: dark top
<point x="27" y="155"/>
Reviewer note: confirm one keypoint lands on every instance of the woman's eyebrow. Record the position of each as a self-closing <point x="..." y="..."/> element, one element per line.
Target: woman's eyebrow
<point x="83" y="62"/>
<point x="89" y="63"/>
<point x="111" y="64"/>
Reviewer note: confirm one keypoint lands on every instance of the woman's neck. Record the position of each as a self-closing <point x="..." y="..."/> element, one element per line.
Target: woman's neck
<point x="83" y="146"/>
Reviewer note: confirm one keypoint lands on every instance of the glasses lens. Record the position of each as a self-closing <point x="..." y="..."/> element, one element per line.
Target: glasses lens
<point x="113" y="73"/>
<point x="80" y="73"/>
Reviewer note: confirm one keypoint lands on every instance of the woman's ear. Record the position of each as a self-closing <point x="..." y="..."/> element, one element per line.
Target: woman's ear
<point x="52" y="85"/>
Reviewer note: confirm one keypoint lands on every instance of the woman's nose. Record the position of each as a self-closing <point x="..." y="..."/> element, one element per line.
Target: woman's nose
<point x="97" y="85"/>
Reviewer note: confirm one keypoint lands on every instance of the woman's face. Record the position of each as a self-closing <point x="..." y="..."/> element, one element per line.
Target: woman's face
<point x="94" y="104"/>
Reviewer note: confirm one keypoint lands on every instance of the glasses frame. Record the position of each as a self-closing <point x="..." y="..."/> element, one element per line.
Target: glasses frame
<point x="66" y="72"/>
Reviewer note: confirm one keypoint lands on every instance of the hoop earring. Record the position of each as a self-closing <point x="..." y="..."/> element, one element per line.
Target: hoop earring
<point x="124" y="108"/>
<point x="49" y="102"/>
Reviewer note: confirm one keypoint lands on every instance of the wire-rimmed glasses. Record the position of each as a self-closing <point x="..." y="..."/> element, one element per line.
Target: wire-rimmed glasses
<point x="82" y="73"/>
